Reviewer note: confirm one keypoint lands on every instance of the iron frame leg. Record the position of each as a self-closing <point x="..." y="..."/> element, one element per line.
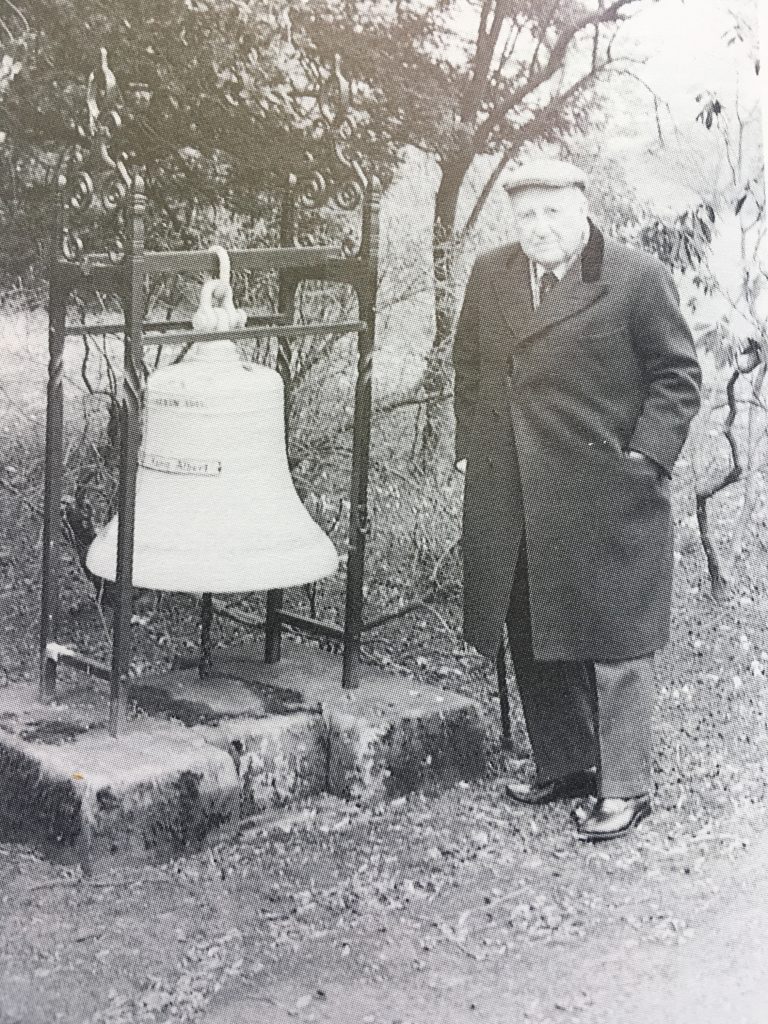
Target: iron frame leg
<point x="54" y="472"/>
<point x="501" y="678"/>
<point x="130" y="436"/>
<point x="205" y="667"/>
<point x="273" y="627"/>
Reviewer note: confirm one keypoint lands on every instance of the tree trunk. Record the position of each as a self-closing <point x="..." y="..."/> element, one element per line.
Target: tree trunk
<point x="719" y="576"/>
<point x="437" y="371"/>
<point x="756" y="436"/>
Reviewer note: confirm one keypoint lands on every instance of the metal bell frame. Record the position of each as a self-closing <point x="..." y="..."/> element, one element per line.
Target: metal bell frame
<point x="117" y="196"/>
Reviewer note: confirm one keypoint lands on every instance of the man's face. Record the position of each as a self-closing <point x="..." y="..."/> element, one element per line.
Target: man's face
<point x="551" y="223"/>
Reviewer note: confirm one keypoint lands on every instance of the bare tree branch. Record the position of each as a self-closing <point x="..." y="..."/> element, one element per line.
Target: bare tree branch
<point x="487" y="41"/>
<point x="557" y="54"/>
<point x="544" y="24"/>
<point x="755" y="437"/>
<point x="512" y="40"/>
<point x="717" y="573"/>
<point x="657" y="100"/>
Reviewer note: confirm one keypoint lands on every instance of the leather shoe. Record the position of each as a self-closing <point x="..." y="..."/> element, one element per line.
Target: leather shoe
<point x="571" y="787"/>
<point x="611" y="817"/>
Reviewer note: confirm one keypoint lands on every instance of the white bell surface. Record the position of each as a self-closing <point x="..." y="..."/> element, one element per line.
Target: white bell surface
<point x="216" y="509"/>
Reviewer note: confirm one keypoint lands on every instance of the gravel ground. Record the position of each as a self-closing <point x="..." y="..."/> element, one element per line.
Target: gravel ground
<point x="714" y="971"/>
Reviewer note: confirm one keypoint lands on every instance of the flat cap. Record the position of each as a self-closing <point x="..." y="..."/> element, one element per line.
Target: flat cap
<point x="546" y="174"/>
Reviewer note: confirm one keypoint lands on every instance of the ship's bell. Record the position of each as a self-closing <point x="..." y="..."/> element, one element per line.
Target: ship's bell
<point x="216" y="510"/>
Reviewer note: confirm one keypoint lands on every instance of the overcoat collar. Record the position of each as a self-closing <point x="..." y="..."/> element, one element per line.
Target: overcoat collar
<point x="580" y="288"/>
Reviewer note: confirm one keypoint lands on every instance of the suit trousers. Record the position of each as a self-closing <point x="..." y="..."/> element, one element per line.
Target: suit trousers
<point x="582" y="714"/>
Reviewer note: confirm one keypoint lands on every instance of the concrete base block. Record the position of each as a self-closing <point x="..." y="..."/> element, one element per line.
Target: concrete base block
<point x="142" y="797"/>
<point x="279" y="759"/>
<point x="252" y="739"/>
<point x="371" y="760"/>
<point x="389" y="736"/>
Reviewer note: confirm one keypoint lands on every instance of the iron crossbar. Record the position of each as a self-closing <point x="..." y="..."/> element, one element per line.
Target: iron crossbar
<point x="300" y="263"/>
<point x="312" y="625"/>
<point x="202" y="261"/>
<point x="302" y="622"/>
<point x="280" y="331"/>
<point x="316" y="626"/>
<point x="66" y="656"/>
<point x="78" y="330"/>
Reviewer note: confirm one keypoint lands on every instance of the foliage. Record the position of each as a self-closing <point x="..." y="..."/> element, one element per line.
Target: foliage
<point x="721" y="242"/>
<point x="205" y="88"/>
<point x="681" y="244"/>
<point x="220" y="92"/>
<point x="394" y="53"/>
<point x="215" y="96"/>
<point x="721" y="245"/>
<point x="14" y="30"/>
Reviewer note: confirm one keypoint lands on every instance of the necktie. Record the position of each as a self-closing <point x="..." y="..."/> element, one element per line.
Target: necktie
<point x="547" y="283"/>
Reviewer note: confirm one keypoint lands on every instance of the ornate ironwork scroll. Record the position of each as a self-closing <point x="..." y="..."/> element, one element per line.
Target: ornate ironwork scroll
<point x="334" y="172"/>
<point x="95" y="187"/>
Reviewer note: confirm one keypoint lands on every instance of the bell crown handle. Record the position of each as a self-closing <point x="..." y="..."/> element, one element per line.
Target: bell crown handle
<point x="225" y="270"/>
<point x="224" y="315"/>
<point x="237" y="317"/>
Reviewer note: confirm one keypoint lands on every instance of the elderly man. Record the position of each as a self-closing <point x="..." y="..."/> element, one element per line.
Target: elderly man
<point x="576" y="382"/>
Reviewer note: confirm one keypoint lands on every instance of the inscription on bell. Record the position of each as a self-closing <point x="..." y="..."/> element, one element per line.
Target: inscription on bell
<point x="180" y="467"/>
<point x="174" y="402"/>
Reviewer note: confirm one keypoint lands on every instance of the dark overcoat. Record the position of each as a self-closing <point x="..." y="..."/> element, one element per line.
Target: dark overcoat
<point x="547" y="401"/>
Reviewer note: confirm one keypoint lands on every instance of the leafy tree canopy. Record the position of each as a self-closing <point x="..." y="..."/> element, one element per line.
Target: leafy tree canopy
<point x="229" y="86"/>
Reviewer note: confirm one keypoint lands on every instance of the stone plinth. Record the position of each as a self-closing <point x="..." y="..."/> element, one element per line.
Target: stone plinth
<point x="147" y="796"/>
<point x="279" y="759"/>
<point x="389" y="736"/>
<point x="252" y="739"/>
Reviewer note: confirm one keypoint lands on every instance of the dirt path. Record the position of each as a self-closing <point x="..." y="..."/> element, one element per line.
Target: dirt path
<point x="717" y="974"/>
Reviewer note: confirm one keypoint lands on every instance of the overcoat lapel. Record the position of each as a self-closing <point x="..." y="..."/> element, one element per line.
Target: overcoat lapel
<point x="580" y="288"/>
<point x="512" y="285"/>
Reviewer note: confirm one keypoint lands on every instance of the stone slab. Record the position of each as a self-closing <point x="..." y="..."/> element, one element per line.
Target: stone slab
<point x="279" y="759"/>
<point x="182" y="695"/>
<point x="389" y="736"/>
<point x="146" y="796"/>
<point x="380" y="758"/>
<point x="238" y="747"/>
<point x="22" y="714"/>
